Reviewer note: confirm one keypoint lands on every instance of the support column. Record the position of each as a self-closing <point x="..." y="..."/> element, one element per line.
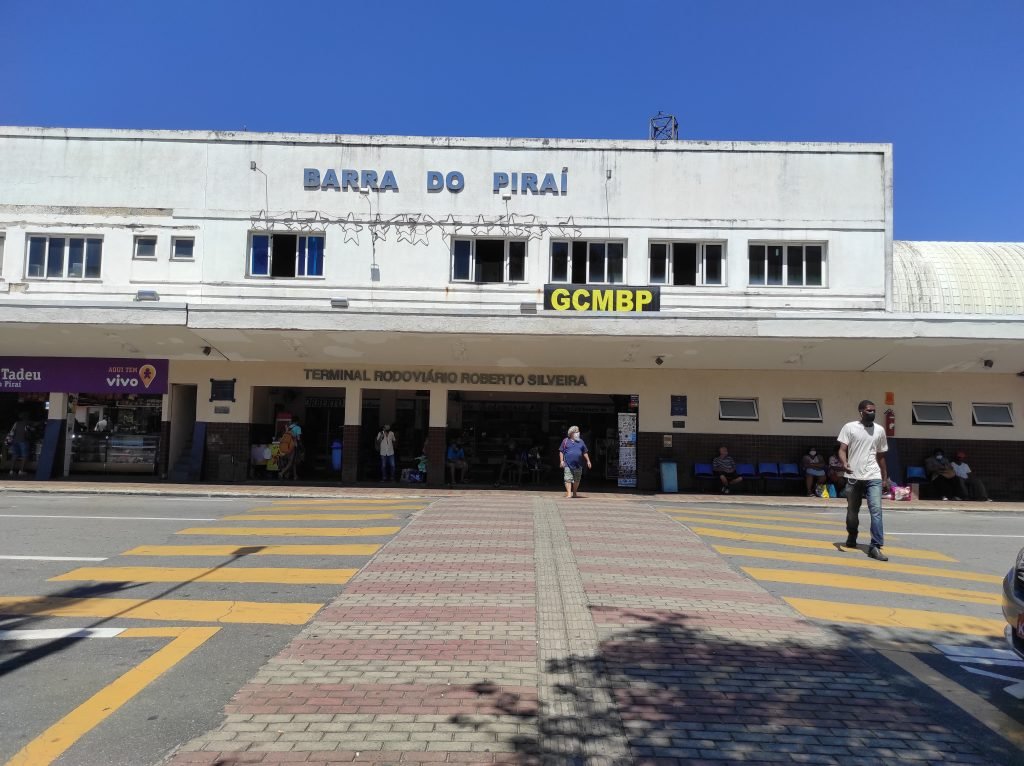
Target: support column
<point x="58" y="411"/>
<point x="437" y="436"/>
<point x="351" y="432"/>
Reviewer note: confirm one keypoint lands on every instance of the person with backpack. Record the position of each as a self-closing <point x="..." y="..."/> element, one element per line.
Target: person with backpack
<point x="287" y="451"/>
<point x="571" y="455"/>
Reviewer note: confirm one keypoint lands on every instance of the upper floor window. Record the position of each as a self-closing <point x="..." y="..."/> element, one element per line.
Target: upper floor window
<point x="931" y="413"/>
<point x="807" y="410"/>
<point x="992" y="414"/>
<point x="145" y="247"/>
<point x="686" y="263"/>
<point x="183" y="248"/>
<point x="488" y="260"/>
<point x="286" y="255"/>
<point x="793" y="264"/>
<point x="64" y="257"/>
<point x="582" y="262"/>
<point x="737" y="409"/>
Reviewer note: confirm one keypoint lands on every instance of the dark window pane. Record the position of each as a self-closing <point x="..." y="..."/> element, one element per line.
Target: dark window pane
<point x="259" y="265"/>
<point x="315" y="257"/>
<point x="659" y="259"/>
<point x="684" y="263"/>
<point x="55" y="261"/>
<point x="460" y="259"/>
<point x="516" y="261"/>
<point x="283" y="254"/>
<point x="756" y="256"/>
<point x="93" y="258"/>
<point x="773" y="269"/>
<point x="615" y="262"/>
<point x="794" y="265"/>
<point x="579" y="263"/>
<point x="183" y="248"/>
<point x="559" y="261"/>
<point x="145" y="247"/>
<point x="300" y="269"/>
<point x="36" y="256"/>
<point x="490" y="260"/>
<point x="597" y="273"/>
<point x="813" y="265"/>
<point x="76" y="258"/>
<point x="712" y="264"/>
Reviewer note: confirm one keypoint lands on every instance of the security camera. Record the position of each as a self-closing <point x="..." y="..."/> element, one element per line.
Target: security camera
<point x="206" y="350"/>
<point x="988" y="362"/>
<point x="659" y="361"/>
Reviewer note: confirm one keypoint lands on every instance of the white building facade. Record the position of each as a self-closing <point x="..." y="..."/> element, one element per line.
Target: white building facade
<point x="494" y="290"/>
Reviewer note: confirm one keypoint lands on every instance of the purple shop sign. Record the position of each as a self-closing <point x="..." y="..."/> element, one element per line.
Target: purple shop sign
<point x="73" y="375"/>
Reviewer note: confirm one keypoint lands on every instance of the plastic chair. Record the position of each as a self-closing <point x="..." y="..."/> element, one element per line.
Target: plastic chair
<point x="703" y="471"/>
<point x="769" y="472"/>
<point x="747" y="472"/>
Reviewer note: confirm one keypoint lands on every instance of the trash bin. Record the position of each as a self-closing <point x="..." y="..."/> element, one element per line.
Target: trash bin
<point x="669" y="476"/>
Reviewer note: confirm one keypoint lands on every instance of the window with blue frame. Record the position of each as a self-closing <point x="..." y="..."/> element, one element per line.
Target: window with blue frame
<point x="64" y="257"/>
<point x="285" y="256"/>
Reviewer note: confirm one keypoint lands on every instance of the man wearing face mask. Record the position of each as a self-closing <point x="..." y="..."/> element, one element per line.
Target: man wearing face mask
<point x="862" y="448"/>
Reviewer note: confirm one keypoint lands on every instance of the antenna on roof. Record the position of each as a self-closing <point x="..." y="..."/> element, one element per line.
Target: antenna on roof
<point x="664" y="127"/>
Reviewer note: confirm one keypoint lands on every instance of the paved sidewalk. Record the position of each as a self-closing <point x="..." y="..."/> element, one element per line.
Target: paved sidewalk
<point x="278" y="489"/>
<point x="517" y="628"/>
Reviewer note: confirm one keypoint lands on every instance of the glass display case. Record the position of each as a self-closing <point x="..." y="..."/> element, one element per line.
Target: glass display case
<point x="115" y="453"/>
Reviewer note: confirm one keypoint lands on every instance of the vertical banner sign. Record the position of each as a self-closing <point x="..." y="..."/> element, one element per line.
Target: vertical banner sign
<point x="627" y="449"/>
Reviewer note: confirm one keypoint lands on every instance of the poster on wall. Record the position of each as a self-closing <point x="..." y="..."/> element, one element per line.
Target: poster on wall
<point x="627" y="449"/>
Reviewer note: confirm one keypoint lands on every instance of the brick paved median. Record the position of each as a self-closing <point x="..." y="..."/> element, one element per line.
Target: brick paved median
<point x="502" y="628"/>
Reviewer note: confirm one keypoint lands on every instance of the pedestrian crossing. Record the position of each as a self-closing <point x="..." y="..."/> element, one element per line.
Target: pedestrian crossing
<point x="309" y="565"/>
<point x="823" y="580"/>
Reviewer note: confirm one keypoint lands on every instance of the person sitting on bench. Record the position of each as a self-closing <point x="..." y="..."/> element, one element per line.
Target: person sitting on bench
<point x="456" y="461"/>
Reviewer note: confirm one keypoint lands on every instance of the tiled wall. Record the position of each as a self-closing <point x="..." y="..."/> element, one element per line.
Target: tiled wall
<point x="990" y="461"/>
<point x="225" y="439"/>
<point x="350" y="456"/>
<point x="436" y="450"/>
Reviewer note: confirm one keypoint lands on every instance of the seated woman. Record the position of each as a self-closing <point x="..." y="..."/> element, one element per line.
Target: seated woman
<point x="836" y="475"/>
<point x="813" y="466"/>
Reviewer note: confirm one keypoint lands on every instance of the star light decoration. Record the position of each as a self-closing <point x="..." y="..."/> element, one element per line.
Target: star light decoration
<point x="412" y="228"/>
<point x="351" y="228"/>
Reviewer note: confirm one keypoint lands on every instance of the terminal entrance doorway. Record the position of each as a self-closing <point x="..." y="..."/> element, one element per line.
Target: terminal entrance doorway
<point x="489" y="423"/>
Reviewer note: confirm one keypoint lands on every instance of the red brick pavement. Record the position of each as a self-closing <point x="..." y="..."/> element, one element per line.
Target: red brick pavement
<point x="438" y="660"/>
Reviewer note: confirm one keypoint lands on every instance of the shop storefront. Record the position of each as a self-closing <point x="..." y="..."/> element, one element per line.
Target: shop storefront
<point x="88" y="415"/>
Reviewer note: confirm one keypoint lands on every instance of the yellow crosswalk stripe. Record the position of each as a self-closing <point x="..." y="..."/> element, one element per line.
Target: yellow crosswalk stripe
<point x="351" y="501"/>
<point x="793" y="542"/>
<point x="335" y="508"/>
<point x="56" y="739"/>
<point x="254" y="550"/>
<point x="754" y="525"/>
<point x="802" y="518"/>
<point x="275" y="575"/>
<point x="873" y="584"/>
<point x="292" y="531"/>
<point x="175" y="610"/>
<point x="888" y="617"/>
<point x="308" y="517"/>
<point x="857" y="563"/>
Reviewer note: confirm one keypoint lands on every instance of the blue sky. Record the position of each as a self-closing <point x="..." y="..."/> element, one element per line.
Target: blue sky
<point x="941" y="80"/>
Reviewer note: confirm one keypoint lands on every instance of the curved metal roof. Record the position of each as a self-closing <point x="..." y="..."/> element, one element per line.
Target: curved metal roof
<point x="958" y="277"/>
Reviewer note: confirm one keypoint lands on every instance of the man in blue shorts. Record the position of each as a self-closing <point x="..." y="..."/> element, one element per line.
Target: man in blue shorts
<point x="571" y="456"/>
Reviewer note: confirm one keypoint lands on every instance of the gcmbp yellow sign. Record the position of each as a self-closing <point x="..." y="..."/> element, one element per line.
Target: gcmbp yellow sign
<point x="619" y="299"/>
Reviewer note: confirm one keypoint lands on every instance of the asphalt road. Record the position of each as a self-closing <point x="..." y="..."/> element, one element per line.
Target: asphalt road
<point x="44" y="679"/>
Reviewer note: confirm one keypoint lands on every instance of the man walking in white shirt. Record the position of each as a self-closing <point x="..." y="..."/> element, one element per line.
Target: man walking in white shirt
<point x="386" y="447"/>
<point x="862" y="448"/>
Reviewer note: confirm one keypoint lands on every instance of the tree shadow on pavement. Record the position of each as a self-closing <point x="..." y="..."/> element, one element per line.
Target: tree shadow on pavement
<point x="663" y="690"/>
